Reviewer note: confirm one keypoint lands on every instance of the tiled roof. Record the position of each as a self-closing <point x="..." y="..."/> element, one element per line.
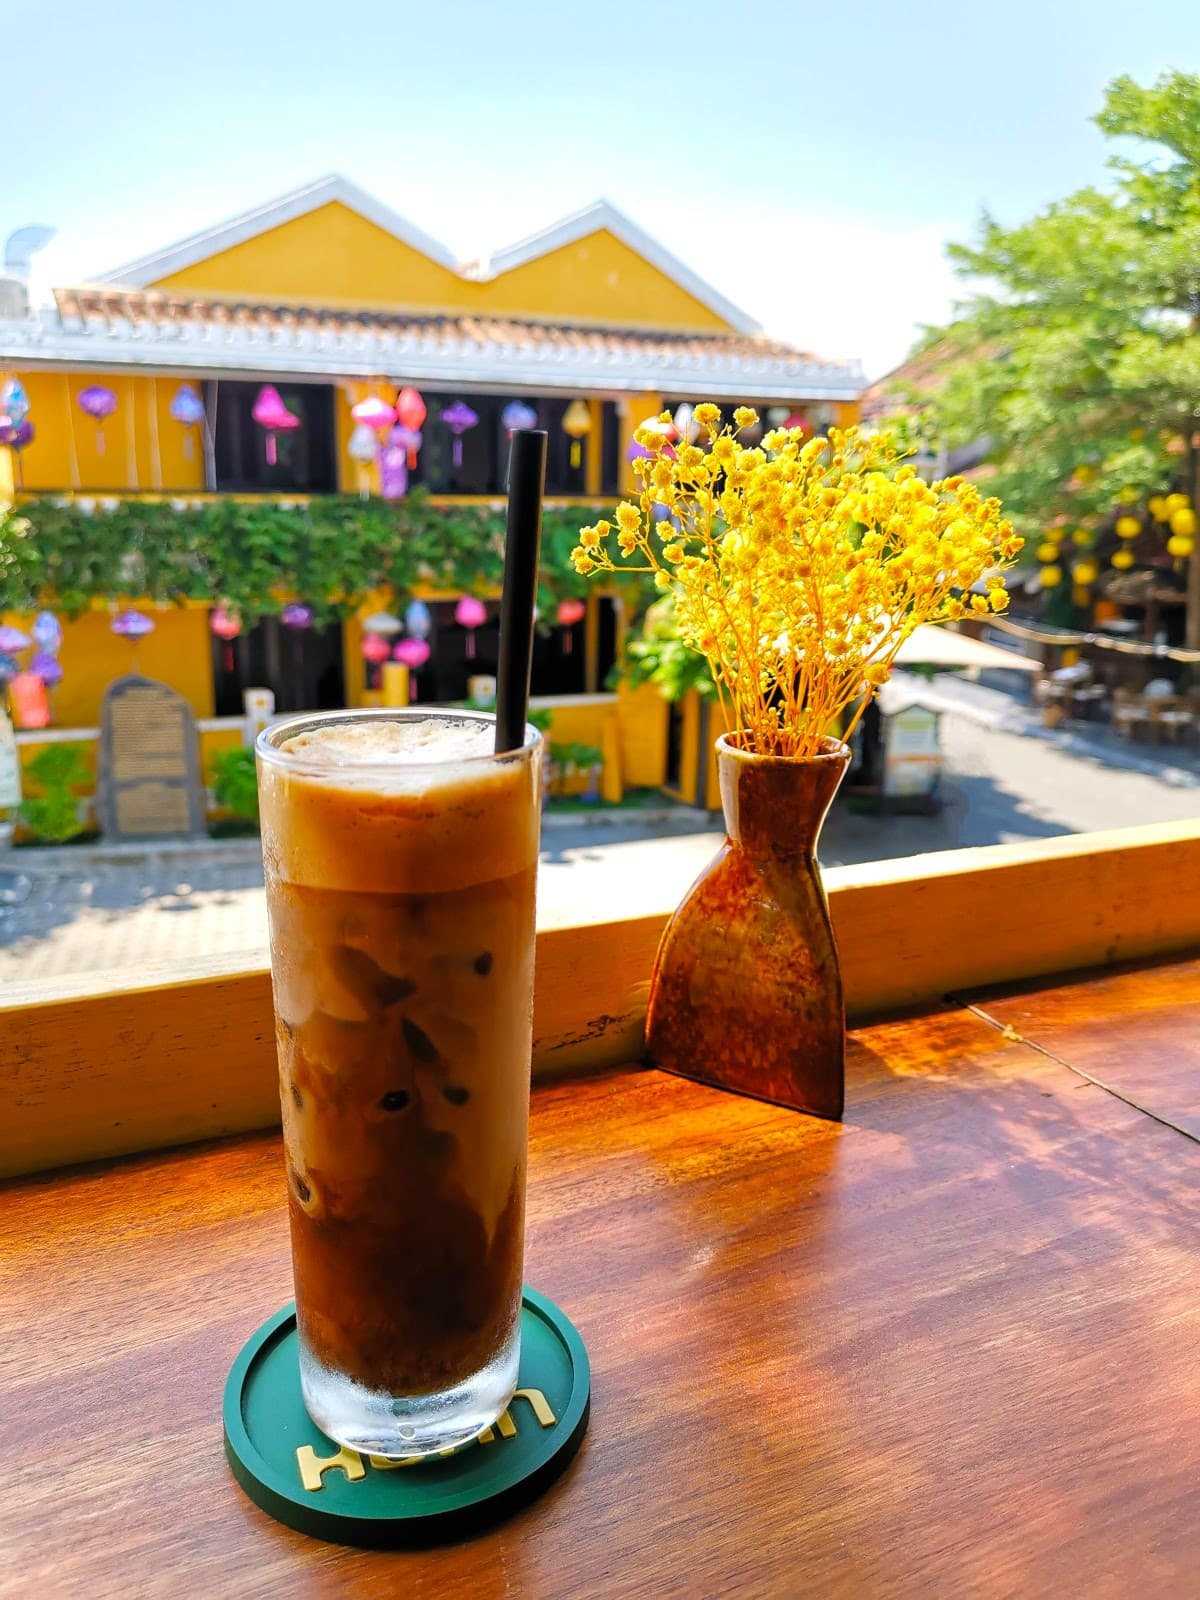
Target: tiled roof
<point x="105" y="326"/>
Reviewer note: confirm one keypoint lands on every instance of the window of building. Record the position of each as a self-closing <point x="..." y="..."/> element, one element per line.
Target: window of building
<point x="302" y="668"/>
<point x="305" y="457"/>
<point x="483" y="449"/>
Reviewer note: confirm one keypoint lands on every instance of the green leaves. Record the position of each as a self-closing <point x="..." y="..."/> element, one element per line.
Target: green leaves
<point x="255" y="555"/>
<point x="1081" y="344"/>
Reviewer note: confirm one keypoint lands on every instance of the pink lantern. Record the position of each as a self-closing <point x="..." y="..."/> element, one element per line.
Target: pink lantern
<point x="271" y="413"/>
<point x="470" y="614"/>
<point x="569" y="613"/>
<point x="414" y="653"/>
<point x="226" y="625"/>
<point x="373" y="413"/>
<point x="458" y="418"/>
<point x="797" y="421"/>
<point x="375" y="649"/>
<point x="98" y="402"/>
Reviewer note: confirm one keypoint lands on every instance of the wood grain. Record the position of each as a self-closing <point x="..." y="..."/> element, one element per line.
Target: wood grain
<point x="1135" y="1030"/>
<point x="119" y="1062"/>
<point x="945" y="1348"/>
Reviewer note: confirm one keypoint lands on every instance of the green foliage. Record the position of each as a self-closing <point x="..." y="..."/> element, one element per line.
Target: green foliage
<point x="235" y="782"/>
<point x="660" y="657"/>
<point x="572" y="757"/>
<point x="53" y="815"/>
<point x="1080" y="348"/>
<point x="254" y="555"/>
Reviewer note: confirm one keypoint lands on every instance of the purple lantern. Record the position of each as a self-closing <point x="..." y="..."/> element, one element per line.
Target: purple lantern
<point x="13" y="639"/>
<point x="8" y="430"/>
<point x="458" y="418"/>
<point x="132" y="625"/>
<point x="296" y="616"/>
<point x="187" y="408"/>
<point x="22" y="435"/>
<point x="47" y="668"/>
<point x="517" y="414"/>
<point x="398" y="456"/>
<point x="98" y="402"/>
<point x="47" y="632"/>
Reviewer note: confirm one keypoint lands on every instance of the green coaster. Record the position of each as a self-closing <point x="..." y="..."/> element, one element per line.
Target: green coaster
<point x="288" y="1467"/>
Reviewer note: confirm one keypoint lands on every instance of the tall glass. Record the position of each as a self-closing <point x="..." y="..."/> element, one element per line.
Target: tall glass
<point x="401" y="860"/>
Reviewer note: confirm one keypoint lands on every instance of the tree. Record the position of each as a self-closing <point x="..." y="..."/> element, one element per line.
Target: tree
<point x="1077" y="358"/>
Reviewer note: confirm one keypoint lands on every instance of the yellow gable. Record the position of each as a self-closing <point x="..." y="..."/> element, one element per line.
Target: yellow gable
<point x="599" y="279"/>
<point x="330" y="256"/>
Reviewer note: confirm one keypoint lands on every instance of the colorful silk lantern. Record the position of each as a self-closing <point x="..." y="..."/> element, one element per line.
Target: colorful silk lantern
<point x="14" y="402"/>
<point x="1122" y="559"/>
<point x="569" y="613"/>
<point x="98" y="402"/>
<point x="363" y="446"/>
<point x="412" y="411"/>
<point x="413" y="653"/>
<point x="187" y="408"/>
<point x="271" y="413"/>
<point x="1183" y="522"/>
<point x="29" y="701"/>
<point x="393" y="462"/>
<point x="408" y="437"/>
<point x="777" y="415"/>
<point x="418" y="620"/>
<point x="1051" y="577"/>
<point x="1128" y="527"/>
<point x="375" y="648"/>
<point x="226" y="625"/>
<point x="48" y="668"/>
<point x="459" y="418"/>
<point x="577" y="422"/>
<point x="382" y="623"/>
<point x="373" y="413"/>
<point x="795" y="420"/>
<point x="133" y="625"/>
<point x="686" y="426"/>
<point x="46" y="632"/>
<point x="517" y="414"/>
<point x="296" y="616"/>
<point x="470" y="614"/>
<point x="12" y="639"/>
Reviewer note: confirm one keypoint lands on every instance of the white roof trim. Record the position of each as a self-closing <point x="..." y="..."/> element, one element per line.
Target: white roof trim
<point x="427" y="356"/>
<point x="605" y="215"/>
<point x="199" y="246"/>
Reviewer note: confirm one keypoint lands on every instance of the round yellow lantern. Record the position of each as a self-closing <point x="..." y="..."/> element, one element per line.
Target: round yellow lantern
<point x="1158" y="508"/>
<point x="1122" y="560"/>
<point x="1082" y="536"/>
<point x="1051" y="577"/>
<point x="1183" y="522"/>
<point x="1180" y="545"/>
<point x="1128" y="496"/>
<point x="1176" y="502"/>
<point x="1128" y="527"/>
<point x="1047" y="551"/>
<point x="1084" y="572"/>
<point x="577" y="422"/>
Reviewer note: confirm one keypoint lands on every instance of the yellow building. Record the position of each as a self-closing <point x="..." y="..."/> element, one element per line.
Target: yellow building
<point x="327" y="297"/>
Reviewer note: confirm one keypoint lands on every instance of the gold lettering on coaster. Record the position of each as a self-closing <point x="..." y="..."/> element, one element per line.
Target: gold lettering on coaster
<point x="538" y="1403"/>
<point x="314" y="1467"/>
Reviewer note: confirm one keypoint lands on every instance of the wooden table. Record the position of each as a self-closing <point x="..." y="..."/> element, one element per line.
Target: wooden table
<point x="950" y="1347"/>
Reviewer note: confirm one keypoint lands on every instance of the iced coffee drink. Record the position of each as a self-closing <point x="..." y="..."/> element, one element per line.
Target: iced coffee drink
<point x="401" y="857"/>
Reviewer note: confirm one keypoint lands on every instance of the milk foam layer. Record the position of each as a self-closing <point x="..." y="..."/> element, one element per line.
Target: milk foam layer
<point x="382" y="742"/>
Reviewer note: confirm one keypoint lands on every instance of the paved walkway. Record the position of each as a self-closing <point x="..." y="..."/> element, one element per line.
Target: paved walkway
<point x="1007" y="779"/>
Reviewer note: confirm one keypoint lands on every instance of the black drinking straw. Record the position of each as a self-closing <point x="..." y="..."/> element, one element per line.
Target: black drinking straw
<point x="526" y="482"/>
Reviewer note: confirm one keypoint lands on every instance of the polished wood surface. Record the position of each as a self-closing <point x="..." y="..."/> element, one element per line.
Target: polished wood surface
<point x="1136" y="1030"/>
<point x="947" y="1347"/>
<point x="113" y="1063"/>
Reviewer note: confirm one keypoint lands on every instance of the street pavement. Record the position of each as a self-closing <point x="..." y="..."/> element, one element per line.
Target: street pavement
<point x="1007" y="778"/>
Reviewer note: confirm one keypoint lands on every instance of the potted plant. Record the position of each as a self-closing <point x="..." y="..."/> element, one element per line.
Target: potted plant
<point x="797" y="568"/>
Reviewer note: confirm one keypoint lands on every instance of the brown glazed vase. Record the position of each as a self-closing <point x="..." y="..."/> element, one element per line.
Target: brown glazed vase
<point x="747" y="992"/>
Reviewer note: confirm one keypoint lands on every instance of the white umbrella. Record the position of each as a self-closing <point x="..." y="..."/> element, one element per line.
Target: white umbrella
<point x="932" y="646"/>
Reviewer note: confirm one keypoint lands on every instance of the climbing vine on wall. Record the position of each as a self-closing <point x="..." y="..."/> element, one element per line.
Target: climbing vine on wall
<point x="253" y="556"/>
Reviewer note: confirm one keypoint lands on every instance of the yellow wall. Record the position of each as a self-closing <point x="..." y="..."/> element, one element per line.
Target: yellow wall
<point x="66" y="451"/>
<point x="177" y="653"/>
<point x="643" y="721"/>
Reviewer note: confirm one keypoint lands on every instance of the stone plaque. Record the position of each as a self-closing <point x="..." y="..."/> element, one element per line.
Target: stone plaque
<point x="149" y="781"/>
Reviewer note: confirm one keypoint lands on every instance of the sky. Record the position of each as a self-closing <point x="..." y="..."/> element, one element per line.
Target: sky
<point x="811" y="162"/>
